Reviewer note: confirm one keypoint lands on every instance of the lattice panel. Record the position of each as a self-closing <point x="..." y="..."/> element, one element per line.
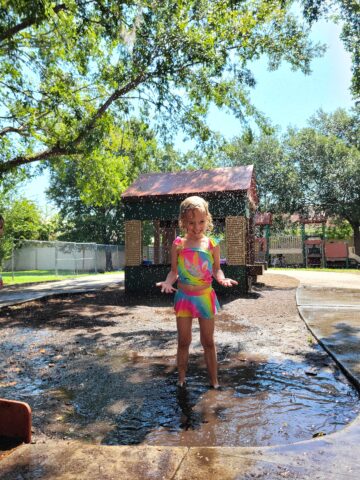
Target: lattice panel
<point x="133" y="243"/>
<point x="235" y="240"/>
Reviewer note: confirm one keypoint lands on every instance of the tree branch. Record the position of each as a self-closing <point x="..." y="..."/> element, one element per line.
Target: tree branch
<point x="22" y="160"/>
<point x="101" y="110"/>
<point x="70" y="148"/>
<point x="27" y="23"/>
<point x="6" y="130"/>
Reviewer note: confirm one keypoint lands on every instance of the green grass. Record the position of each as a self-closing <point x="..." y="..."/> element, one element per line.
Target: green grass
<point x="35" y="276"/>
<point x="333" y="270"/>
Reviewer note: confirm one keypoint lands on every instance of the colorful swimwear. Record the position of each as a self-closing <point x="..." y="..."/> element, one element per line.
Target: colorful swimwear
<point x="196" y="304"/>
<point x="195" y="267"/>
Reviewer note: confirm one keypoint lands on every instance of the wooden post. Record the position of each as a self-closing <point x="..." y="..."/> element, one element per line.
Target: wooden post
<point x="133" y="243"/>
<point x="156" y="242"/>
<point x="168" y="238"/>
<point x="250" y="241"/>
<point x="235" y="228"/>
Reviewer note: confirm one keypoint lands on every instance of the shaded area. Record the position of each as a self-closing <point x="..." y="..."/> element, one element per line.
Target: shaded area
<point x="93" y="309"/>
<point x="7" y="443"/>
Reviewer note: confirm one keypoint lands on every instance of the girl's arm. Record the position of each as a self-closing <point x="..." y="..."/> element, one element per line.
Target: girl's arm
<point x="218" y="274"/>
<point x="167" y="285"/>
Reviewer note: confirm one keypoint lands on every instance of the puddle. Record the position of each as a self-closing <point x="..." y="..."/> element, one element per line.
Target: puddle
<point x="259" y="405"/>
<point x="103" y="394"/>
<point x="130" y="400"/>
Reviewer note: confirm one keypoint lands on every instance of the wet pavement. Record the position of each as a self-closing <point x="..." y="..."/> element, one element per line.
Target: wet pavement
<point x="333" y="316"/>
<point x="16" y="294"/>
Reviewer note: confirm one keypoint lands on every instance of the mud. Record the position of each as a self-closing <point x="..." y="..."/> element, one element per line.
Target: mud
<point x="100" y="367"/>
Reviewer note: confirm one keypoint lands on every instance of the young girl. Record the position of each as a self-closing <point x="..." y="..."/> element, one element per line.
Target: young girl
<point x="195" y="259"/>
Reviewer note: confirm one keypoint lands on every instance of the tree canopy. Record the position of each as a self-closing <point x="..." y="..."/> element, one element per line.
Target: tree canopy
<point x="70" y="69"/>
<point x="328" y="155"/>
<point x="87" y="192"/>
<point x="311" y="170"/>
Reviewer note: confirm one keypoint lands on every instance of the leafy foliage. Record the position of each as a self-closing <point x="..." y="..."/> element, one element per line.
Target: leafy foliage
<point x="69" y="71"/>
<point x="87" y="192"/>
<point x="275" y="173"/>
<point x="22" y="220"/>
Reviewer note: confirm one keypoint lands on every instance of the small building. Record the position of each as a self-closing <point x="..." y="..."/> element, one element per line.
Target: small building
<point x="156" y="198"/>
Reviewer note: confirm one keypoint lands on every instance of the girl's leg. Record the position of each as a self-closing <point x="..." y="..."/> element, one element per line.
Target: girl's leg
<point x="184" y="340"/>
<point x="207" y="327"/>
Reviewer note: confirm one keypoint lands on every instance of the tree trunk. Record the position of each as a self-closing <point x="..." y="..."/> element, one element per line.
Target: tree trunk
<point x="108" y="256"/>
<point x="355" y="226"/>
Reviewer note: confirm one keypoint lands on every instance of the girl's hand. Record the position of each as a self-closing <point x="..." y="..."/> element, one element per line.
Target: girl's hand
<point x="166" y="287"/>
<point x="228" y="282"/>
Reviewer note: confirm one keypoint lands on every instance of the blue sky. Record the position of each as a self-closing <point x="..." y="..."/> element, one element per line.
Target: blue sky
<point x="286" y="97"/>
<point x="291" y="98"/>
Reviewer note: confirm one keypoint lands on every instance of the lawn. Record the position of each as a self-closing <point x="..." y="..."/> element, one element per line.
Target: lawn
<point x="32" y="276"/>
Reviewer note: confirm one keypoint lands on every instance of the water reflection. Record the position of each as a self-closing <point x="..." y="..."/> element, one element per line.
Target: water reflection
<point x="119" y="399"/>
<point x="260" y="404"/>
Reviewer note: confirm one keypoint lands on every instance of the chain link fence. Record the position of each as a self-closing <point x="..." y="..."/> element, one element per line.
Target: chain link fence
<point x="61" y="257"/>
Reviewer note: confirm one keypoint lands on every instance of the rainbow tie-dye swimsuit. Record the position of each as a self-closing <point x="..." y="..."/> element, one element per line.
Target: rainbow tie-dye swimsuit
<point x="195" y="268"/>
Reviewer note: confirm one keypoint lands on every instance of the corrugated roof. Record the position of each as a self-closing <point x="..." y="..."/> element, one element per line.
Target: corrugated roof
<point x="227" y="179"/>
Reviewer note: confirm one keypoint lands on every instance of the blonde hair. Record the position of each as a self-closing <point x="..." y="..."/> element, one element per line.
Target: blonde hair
<point x="194" y="203"/>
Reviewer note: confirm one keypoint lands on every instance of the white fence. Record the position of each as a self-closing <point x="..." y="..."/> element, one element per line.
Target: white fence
<point x="289" y="247"/>
<point x="286" y="243"/>
<point x="65" y="256"/>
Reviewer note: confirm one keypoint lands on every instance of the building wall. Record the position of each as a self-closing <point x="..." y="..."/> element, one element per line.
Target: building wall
<point x="142" y="279"/>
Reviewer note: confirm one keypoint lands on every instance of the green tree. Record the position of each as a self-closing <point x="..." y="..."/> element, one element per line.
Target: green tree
<point x="327" y="159"/>
<point x="70" y="69"/>
<point x="340" y="124"/>
<point x="339" y="230"/>
<point x="316" y="169"/>
<point x="275" y="173"/>
<point x="50" y="228"/>
<point x="23" y="221"/>
<point x="88" y="194"/>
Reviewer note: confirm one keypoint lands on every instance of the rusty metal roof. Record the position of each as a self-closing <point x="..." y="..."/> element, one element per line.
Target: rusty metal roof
<point x="227" y="179"/>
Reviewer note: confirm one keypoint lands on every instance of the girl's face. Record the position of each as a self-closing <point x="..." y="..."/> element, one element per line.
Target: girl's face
<point x="196" y="224"/>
